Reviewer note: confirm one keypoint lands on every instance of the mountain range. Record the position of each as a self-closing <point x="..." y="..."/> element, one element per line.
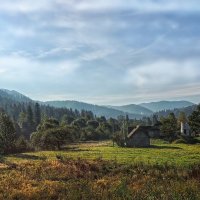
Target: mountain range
<point x="132" y="110"/>
<point x="166" y="105"/>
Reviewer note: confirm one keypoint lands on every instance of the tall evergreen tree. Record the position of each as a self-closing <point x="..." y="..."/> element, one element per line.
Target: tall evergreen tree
<point x="169" y="125"/>
<point x="194" y="120"/>
<point x="37" y="114"/>
<point x="29" y="115"/>
<point x="7" y="134"/>
<point x="182" y="117"/>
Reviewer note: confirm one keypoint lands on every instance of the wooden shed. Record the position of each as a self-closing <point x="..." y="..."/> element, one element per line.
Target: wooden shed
<point x="138" y="137"/>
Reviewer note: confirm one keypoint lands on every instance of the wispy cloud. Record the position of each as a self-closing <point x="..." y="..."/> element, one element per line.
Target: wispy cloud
<point x="163" y="73"/>
<point x="101" y="51"/>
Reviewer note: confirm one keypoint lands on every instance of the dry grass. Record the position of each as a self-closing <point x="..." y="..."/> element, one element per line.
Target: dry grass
<point x="100" y="171"/>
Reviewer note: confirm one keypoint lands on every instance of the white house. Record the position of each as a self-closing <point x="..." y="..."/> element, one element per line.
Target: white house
<point x="185" y="129"/>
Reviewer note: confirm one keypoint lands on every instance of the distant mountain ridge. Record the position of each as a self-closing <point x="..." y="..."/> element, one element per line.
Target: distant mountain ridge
<point x="14" y="95"/>
<point x="132" y="110"/>
<point x="96" y="109"/>
<point x="166" y="105"/>
<point x="187" y="110"/>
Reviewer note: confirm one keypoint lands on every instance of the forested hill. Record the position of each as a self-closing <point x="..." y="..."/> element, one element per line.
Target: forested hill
<point x="13" y="96"/>
<point x="97" y="110"/>
<point x="14" y="103"/>
<point x="166" y="105"/>
<point x="187" y="110"/>
<point x="134" y="109"/>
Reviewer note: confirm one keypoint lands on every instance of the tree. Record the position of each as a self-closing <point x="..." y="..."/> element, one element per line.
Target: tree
<point x="169" y="125"/>
<point x="154" y="120"/>
<point x="194" y="120"/>
<point x="28" y="126"/>
<point x="21" y="144"/>
<point x="148" y="121"/>
<point x="37" y="114"/>
<point x="29" y="116"/>
<point x="21" y="118"/>
<point x="7" y="134"/>
<point x="67" y="120"/>
<point x="93" y="123"/>
<point x="119" y="139"/>
<point x="53" y="138"/>
<point x="182" y="117"/>
<point x="101" y="119"/>
<point x="48" y="124"/>
<point x="81" y="123"/>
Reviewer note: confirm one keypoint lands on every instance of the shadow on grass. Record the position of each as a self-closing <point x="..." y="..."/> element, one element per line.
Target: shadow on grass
<point x="164" y="147"/>
<point x="27" y="156"/>
<point x="2" y="159"/>
<point x="74" y="149"/>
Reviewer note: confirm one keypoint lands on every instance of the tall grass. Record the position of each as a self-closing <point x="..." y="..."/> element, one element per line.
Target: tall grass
<point x="97" y="179"/>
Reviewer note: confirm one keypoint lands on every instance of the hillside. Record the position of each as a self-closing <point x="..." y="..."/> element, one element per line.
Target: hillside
<point x="97" y="110"/>
<point x="14" y="96"/>
<point x="11" y="98"/>
<point x="187" y="110"/>
<point x="162" y="108"/>
<point x="166" y="105"/>
<point x="133" y="109"/>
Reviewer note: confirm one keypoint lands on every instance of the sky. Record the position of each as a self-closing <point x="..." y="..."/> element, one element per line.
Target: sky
<point x="103" y="51"/>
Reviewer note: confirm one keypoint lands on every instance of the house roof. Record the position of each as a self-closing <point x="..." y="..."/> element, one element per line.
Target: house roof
<point x="143" y="129"/>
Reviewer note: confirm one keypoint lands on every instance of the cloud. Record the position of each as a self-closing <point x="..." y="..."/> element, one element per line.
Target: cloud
<point x="3" y="71"/>
<point x="24" y="6"/>
<point x="27" y="6"/>
<point x="148" y="5"/>
<point x="20" y="32"/>
<point x="15" y="68"/>
<point x="163" y="74"/>
<point x="94" y="49"/>
<point x="99" y="54"/>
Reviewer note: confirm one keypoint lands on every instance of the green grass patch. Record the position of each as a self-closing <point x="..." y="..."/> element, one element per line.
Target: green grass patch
<point x="161" y="153"/>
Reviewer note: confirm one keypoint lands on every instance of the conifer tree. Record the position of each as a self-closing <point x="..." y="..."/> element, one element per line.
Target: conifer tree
<point x="7" y="134"/>
<point x="37" y="114"/>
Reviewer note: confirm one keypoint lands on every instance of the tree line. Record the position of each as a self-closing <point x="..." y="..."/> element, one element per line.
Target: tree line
<point x="28" y="126"/>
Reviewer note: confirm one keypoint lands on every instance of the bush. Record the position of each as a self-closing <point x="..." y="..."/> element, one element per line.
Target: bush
<point x="21" y="145"/>
<point x="186" y="140"/>
<point x="54" y="138"/>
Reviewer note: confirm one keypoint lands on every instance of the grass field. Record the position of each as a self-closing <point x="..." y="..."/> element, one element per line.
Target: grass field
<point x="161" y="153"/>
<point x="100" y="171"/>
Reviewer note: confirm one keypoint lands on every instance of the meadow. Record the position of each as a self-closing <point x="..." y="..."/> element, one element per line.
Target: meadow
<point x="160" y="153"/>
<point x="99" y="170"/>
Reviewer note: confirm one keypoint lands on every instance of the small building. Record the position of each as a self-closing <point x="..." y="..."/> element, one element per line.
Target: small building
<point x="138" y="137"/>
<point x="153" y="131"/>
<point x="185" y="129"/>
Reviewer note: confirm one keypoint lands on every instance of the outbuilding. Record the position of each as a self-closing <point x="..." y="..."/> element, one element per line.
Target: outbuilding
<point x="138" y="137"/>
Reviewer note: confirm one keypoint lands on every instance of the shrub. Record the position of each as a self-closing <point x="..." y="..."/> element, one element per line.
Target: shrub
<point x="54" y="138"/>
<point x="22" y="145"/>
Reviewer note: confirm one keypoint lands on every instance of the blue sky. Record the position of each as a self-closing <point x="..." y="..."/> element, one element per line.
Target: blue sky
<point x="103" y="52"/>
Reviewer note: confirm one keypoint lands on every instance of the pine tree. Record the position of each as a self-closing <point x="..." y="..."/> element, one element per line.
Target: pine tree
<point x="194" y="120"/>
<point x="7" y="134"/>
<point x="29" y="117"/>
<point x="37" y="114"/>
<point x="169" y="125"/>
<point x="182" y="117"/>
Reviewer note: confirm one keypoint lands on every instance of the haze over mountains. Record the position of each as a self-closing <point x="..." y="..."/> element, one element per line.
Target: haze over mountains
<point x="132" y="110"/>
<point x="166" y="105"/>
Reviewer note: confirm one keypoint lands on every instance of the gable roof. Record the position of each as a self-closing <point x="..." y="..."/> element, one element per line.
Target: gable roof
<point x="143" y="129"/>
